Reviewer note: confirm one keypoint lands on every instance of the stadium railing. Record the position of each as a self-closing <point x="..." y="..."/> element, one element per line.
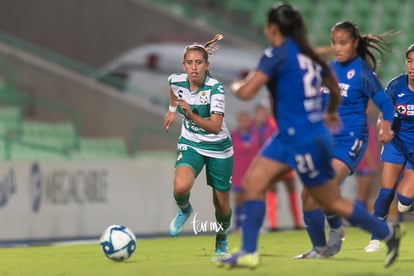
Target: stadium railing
<point x="25" y="139"/>
<point x="85" y="70"/>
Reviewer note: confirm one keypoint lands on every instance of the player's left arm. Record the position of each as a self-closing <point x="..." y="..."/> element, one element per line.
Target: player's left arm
<point x="385" y="104"/>
<point x="248" y="87"/>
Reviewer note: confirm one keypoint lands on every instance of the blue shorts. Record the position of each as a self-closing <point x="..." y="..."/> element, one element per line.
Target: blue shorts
<point x="350" y="150"/>
<point x="310" y="157"/>
<point x="397" y="154"/>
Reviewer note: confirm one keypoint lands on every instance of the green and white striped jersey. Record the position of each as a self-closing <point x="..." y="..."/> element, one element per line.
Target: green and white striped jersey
<point x="209" y="99"/>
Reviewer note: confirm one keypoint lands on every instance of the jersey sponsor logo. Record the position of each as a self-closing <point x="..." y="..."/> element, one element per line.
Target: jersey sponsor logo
<point x="400" y="95"/>
<point x="268" y="52"/>
<point x="220" y="101"/>
<point x="179" y="156"/>
<point x="405" y="109"/>
<point x="344" y="89"/>
<point x="218" y="105"/>
<point x="192" y="127"/>
<point x="350" y="74"/>
<point x="313" y="104"/>
<point x="182" y="147"/>
<point x="217" y="113"/>
<point x="313" y="174"/>
<point x="180" y="93"/>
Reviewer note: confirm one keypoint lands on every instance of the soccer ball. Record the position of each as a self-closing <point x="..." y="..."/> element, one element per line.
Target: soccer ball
<point x="118" y="242"/>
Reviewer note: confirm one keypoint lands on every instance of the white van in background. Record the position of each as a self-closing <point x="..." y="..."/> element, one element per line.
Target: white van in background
<point x="145" y="72"/>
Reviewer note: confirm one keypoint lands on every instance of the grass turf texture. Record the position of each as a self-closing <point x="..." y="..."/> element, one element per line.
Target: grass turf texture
<point x="191" y="255"/>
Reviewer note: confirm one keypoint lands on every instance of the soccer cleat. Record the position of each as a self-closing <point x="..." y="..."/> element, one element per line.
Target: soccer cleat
<point x="334" y="244"/>
<point x="240" y="259"/>
<point x="393" y="244"/>
<point x="178" y="222"/>
<point x="373" y="246"/>
<point x="405" y="208"/>
<point x="311" y="254"/>
<point x="222" y="248"/>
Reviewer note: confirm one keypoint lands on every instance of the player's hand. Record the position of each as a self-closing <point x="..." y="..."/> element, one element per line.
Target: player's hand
<point x="185" y="108"/>
<point x="168" y="119"/>
<point x="385" y="133"/>
<point x="237" y="84"/>
<point x="333" y="122"/>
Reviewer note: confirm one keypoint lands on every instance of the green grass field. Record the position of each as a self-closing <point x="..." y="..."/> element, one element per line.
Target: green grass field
<point x="191" y="255"/>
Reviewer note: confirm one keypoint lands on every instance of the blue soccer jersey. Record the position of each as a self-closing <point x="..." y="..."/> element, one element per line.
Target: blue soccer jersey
<point x="358" y="83"/>
<point x="403" y="126"/>
<point x="303" y="142"/>
<point x="294" y="84"/>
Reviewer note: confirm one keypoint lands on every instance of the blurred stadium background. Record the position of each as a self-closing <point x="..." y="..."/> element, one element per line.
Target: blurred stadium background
<point x="68" y="36"/>
<point x="60" y="103"/>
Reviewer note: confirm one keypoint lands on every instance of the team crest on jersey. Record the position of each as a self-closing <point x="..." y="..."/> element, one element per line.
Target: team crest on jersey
<point x="203" y="97"/>
<point x="405" y="109"/>
<point x="402" y="109"/>
<point x="350" y="74"/>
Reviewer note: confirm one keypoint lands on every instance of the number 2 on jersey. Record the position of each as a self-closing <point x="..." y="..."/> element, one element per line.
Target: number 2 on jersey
<point x="312" y="76"/>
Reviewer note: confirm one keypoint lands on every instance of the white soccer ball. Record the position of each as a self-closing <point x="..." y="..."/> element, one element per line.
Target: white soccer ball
<point x="118" y="242"/>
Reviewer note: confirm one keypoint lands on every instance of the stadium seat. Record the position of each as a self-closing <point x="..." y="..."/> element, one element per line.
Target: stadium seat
<point x="60" y="135"/>
<point x="10" y="120"/>
<point x="106" y="148"/>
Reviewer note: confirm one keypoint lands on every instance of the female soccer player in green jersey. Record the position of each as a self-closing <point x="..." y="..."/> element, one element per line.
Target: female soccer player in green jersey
<point x="204" y="140"/>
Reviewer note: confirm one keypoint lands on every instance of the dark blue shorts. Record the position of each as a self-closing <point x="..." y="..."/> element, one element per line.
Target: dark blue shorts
<point x="395" y="154"/>
<point x="310" y="157"/>
<point x="350" y="150"/>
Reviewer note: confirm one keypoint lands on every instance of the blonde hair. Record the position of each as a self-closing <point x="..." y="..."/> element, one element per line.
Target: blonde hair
<point x="208" y="49"/>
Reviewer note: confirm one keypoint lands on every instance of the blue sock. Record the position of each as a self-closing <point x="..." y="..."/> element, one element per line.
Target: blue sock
<point x="362" y="203"/>
<point x="405" y="200"/>
<point x="315" y="226"/>
<point x="382" y="205"/>
<point x="254" y="212"/>
<point x="238" y="216"/>
<point x="334" y="221"/>
<point x="361" y="218"/>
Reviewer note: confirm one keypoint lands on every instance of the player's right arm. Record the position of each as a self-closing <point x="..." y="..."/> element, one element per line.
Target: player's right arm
<point x="248" y="87"/>
<point x="169" y="117"/>
<point x="332" y="119"/>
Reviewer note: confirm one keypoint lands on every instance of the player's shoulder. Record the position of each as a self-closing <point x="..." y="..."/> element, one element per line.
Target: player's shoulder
<point x="396" y="81"/>
<point x="212" y="81"/>
<point x="177" y="77"/>
<point x="214" y="84"/>
<point x="366" y="72"/>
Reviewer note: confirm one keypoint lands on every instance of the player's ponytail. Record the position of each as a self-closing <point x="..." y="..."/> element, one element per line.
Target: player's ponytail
<point x="208" y="49"/>
<point x="367" y="42"/>
<point x="291" y="24"/>
<point x="212" y="46"/>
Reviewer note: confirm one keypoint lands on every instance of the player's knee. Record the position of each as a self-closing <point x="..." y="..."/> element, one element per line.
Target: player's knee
<point x="181" y="188"/>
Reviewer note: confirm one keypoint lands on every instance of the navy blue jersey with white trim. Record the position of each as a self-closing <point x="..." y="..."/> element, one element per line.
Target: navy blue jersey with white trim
<point x="403" y="99"/>
<point x="358" y="83"/>
<point x="294" y="78"/>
